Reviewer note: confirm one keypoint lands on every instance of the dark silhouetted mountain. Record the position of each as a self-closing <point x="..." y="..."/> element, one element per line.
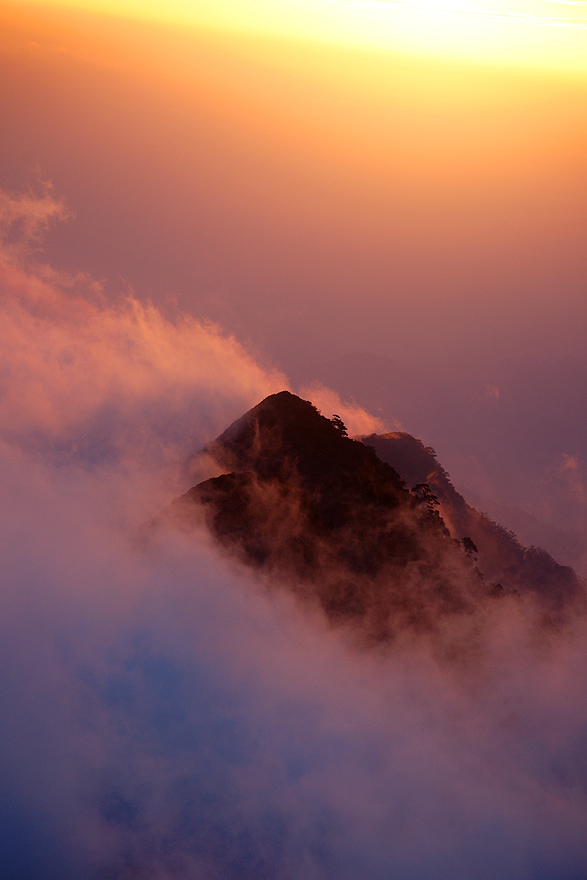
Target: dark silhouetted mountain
<point x="321" y="513"/>
<point x="331" y="519"/>
<point x="499" y="555"/>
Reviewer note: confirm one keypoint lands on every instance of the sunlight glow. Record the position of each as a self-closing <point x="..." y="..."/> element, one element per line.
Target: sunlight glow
<point x="516" y="31"/>
<point x="542" y="33"/>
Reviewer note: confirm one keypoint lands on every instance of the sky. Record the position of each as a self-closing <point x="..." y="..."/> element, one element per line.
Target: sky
<point x="380" y="205"/>
<point x="396" y="213"/>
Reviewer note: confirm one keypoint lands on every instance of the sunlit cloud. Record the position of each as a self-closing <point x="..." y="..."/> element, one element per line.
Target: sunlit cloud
<point x="25" y="218"/>
<point x="356" y="419"/>
<point x="507" y="12"/>
<point x="112" y="383"/>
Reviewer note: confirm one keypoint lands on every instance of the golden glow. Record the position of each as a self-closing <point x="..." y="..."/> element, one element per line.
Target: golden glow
<point x="544" y="33"/>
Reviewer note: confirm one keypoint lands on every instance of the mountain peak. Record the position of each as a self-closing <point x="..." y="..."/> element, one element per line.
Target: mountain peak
<point x="287" y="437"/>
<point x="320" y="513"/>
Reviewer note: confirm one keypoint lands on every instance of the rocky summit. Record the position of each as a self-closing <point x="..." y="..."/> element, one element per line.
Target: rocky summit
<point x="319" y="513"/>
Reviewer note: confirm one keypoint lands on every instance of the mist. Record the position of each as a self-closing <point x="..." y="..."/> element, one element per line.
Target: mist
<point x="167" y="714"/>
<point x="326" y="207"/>
<point x="166" y="718"/>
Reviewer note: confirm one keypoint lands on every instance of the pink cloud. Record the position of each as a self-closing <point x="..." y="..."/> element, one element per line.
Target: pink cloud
<point x="74" y="365"/>
<point x="355" y="417"/>
<point x="25" y="218"/>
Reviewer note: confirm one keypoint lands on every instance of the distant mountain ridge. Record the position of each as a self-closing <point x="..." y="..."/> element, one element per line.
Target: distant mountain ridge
<point x="564" y="545"/>
<point x="323" y="514"/>
<point x="500" y="557"/>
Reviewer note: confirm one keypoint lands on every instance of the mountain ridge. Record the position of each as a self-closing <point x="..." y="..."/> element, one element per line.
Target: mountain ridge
<point x="498" y="552"/>
<point x="323" y="515"/>
<point x="332" y="519"/>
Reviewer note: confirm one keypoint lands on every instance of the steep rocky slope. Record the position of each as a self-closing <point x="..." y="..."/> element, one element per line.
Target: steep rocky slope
<point x="499" y="555"/>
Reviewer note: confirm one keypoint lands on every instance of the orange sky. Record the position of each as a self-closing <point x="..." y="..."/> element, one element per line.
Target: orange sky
<point x="282" y="187"/>
<point x="550" y="33"/>
<point x="285" y="204"/>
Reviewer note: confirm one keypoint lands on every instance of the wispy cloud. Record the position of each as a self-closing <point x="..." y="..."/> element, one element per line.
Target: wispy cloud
<point x="25" y="218"/>
<point x="98" y="380"/>
<point x="449" y="10"/>
<point x="357" y="420"/>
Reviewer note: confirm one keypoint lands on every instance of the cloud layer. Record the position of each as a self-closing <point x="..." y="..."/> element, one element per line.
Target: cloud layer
<point x="165" y="716"/>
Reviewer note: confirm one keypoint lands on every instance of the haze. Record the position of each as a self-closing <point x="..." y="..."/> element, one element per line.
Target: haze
<point x="383" y="207"/>
<point x="326" y="199"/>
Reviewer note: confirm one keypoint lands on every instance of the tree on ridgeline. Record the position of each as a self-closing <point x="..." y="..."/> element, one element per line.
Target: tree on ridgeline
<point x="339" y="425"/>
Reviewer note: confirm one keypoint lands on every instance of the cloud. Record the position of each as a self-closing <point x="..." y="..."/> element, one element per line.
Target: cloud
<point x="571" y="472"/>
<point x="166" y="716"/>
<point x="92" y="380"/>
<point x="357" y="420"/>
<point x="25" y="218"/>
